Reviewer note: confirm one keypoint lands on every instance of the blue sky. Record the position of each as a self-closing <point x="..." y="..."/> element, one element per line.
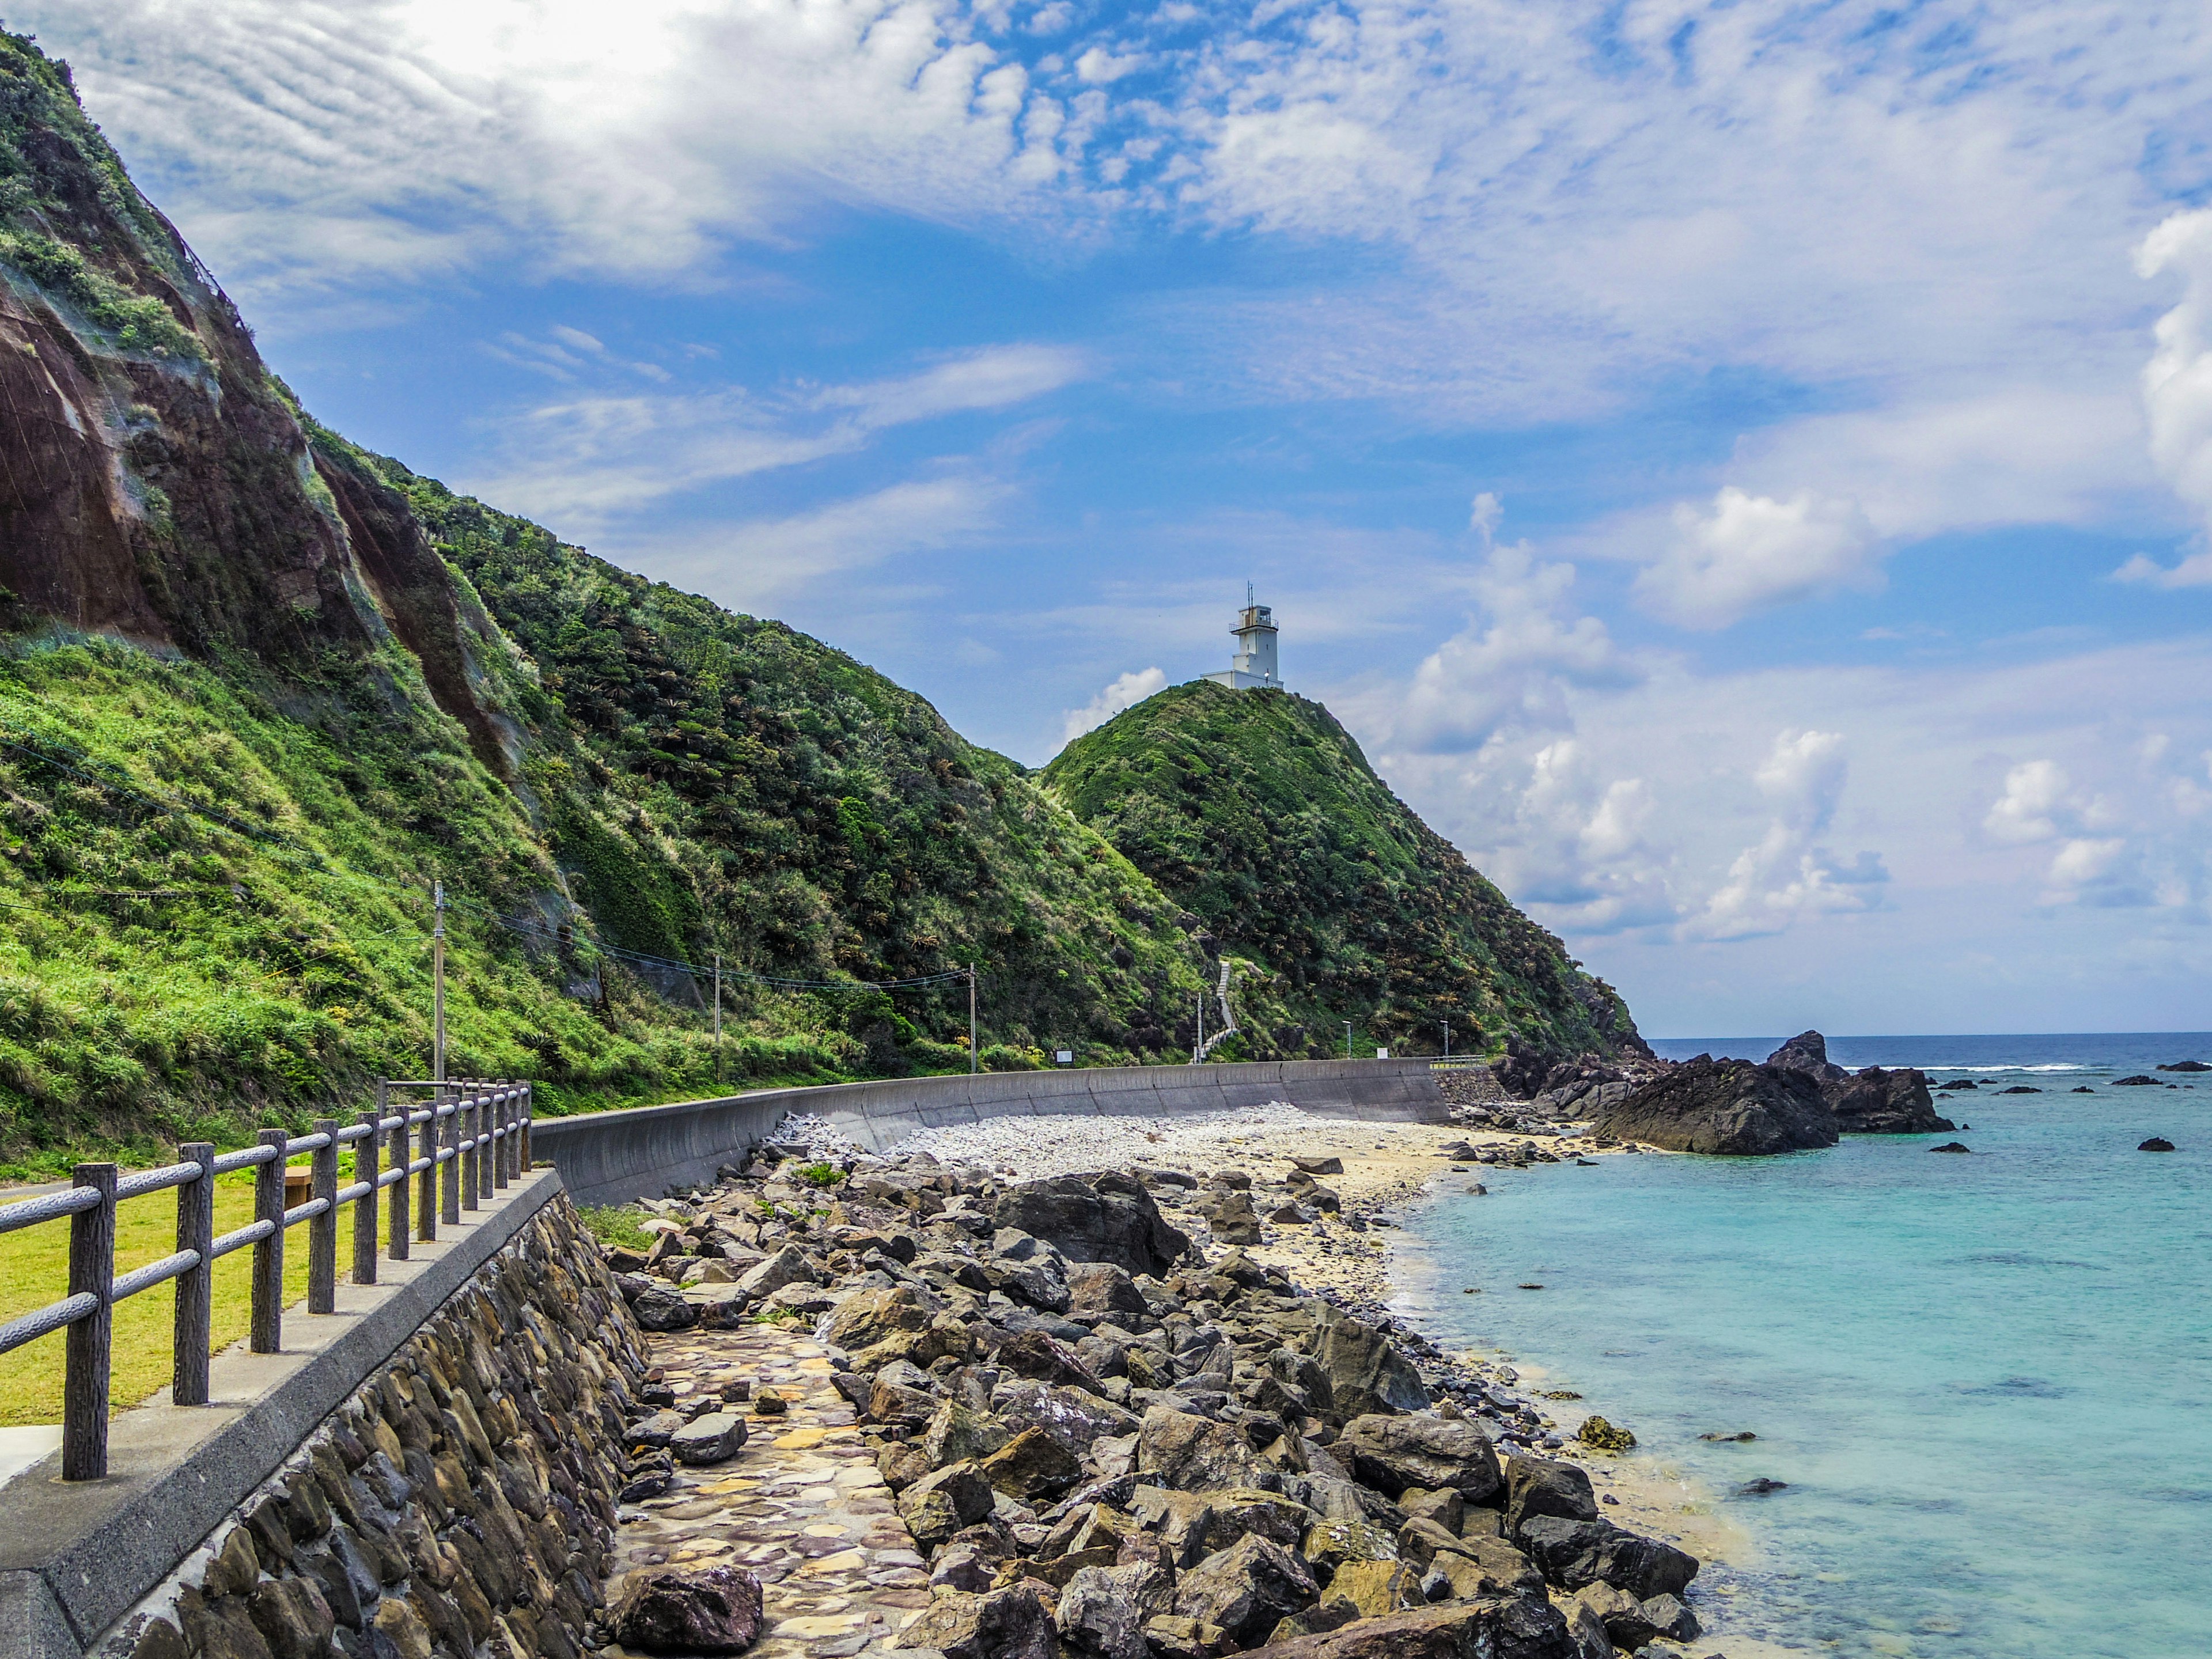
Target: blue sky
<point x="1742" y="471"/>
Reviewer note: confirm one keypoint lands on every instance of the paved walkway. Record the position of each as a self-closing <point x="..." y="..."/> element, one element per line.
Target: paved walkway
<point x="800" y="1506"/>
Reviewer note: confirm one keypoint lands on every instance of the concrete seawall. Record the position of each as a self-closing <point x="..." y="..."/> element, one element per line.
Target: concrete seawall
<point x="482" y="1377"/>
<point x="610" y="1157"/>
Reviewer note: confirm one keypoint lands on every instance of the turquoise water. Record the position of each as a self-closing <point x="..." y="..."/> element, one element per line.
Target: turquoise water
<point x="1987" y="1380"/>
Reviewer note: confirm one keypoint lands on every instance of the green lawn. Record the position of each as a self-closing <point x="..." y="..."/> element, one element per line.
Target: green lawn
<point x="35" y="1271"/>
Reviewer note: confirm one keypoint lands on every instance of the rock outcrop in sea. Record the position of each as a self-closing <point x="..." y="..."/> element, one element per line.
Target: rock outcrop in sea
<point x="1731" y="1107"/>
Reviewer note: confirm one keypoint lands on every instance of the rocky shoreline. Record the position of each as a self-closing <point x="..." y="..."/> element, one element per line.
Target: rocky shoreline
<point x="1157" y="1407"/>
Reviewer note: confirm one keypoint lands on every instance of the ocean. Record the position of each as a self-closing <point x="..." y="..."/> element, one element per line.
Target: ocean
<point x="1986" y="1381"/>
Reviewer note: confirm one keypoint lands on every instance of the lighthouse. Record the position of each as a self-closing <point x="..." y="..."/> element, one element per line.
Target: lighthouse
<point x="1255" y="662"/>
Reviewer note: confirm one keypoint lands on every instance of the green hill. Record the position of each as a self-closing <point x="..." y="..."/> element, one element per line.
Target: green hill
<point x="1258" y="811"/>
<point x="259" y="688"/>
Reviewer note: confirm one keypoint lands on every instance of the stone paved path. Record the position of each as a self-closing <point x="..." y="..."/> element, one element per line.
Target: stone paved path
<point x="800" y="1505"/>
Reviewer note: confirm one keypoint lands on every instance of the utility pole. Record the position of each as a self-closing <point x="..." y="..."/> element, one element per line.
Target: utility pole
<point x="975" y="1061"/>
<point x="1447" y="1039"/>
<point x="1198" y="1053"/>
<point x="1347" y="1039"/>
<point x="438" y="984"/>
<point x="717" y="1016"/>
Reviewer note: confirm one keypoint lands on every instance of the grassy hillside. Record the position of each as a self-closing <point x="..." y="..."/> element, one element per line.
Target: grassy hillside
<point x="258" y="687"/>
<point x="1259" y="813"/>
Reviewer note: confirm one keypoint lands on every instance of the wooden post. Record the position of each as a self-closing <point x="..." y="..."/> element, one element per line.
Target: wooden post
<point x="472" y="1171"/>
<point x="449" y="1184"/>
<point x="84" y="1386"/>
<point x="267" y="1335"/>
<point x="426" y="1192"/>
<point x="366" y="1152"/>
<point x="188" y="1340"/>
<point x="323" y="1229"/>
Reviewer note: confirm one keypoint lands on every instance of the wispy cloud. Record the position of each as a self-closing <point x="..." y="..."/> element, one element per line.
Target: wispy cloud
<point x="582" y="459"/>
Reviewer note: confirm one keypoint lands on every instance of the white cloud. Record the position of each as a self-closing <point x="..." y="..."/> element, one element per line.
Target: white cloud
<point x="1749" y="553"/>
<point x="995" y="377"/>
<point x="2035" y="792"/>
<point x="577" y="461"/>
<point x="2176" y="387"/>
<point x="1511" y="671"/>
<point x="1125" y="691"/>
<point x="1099" y="67"/>
<point x="747" y="562"/>
<point x="1785" y="876"/>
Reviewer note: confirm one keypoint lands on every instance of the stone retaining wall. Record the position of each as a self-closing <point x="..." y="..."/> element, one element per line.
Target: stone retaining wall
<point x="611" y="1158"/>
<point x="460" y="1503"/>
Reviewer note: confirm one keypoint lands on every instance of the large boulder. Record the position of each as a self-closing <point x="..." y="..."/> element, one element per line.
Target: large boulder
<point x="1879" y="1103"/>
<point x="1516" y="1628"/>
<point x="1101" y="1287"/>
<point x="1808" y="1052"/>
<point x="1190" y="1453"/>
<point x="1045" y="1359"/>
<point x="938" y="1505"/>
<point x="1366" y="1373"/>
<point x="1103" y="1611"/>
<point x="1007" y="1624"/>
<point x="1573" y="1553"/>
<point x="1105" y="1218"/>
<point x="1392" y="1453"/>
<point x="1247" y="1589"/>
<point x="1538" y="1486"/>
<point x="1731" y="1107"/>
<point x="676" y="1610"/>
<point x="1031" y="1466"/>
<point x="1075" y="1418"/>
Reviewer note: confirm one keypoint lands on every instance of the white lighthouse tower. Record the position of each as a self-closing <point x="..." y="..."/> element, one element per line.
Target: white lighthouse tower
<point x="1255" y="662"/>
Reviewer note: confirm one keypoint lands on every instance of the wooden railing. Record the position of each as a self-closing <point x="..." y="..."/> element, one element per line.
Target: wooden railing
<point x="460" y="1147"/>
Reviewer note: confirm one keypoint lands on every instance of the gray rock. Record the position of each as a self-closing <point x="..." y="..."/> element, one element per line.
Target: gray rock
<point x="1007" y="1624"/>
<point x="1392" y="1453"/>
<point x="1728" y="1107"/>
<point x="1102" y="1287"/>
<point x="1511" y="1628"/>
<point x="1190" y="1453"/>
<point x="1668" y="1617"/>
<point x="1538" y="1486"/>
<point x="788" y="1265"/>
<point x="1366" y="1373"/>
<point x="662" y="1308"/>
<point x="1078" y="1420"/>
<point x="1573" y="1553"/>
<point x="1808" y="1052"/>
<point x="938" y="1505"/>
<point x="1108" y="1218"/>
<point x="671" y="1610"/>
<point x="1247" y="1589"/>
<point x="709" y="1439"/>
<point x="1103" y="1611"/>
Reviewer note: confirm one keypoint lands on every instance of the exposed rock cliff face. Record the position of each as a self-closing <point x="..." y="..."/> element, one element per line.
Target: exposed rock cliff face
<point x="1726" y="1106"/>
<point x="1873" y="1102"/>
<point x="1808" y="1052"/>
<point x="158" y="483"/>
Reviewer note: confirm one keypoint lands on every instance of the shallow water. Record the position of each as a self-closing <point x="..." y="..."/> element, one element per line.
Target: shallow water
<point x="1986" y="1380"/>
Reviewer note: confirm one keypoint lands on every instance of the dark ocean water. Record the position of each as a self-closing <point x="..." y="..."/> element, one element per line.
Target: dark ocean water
<point x="1986" y="1380"/>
